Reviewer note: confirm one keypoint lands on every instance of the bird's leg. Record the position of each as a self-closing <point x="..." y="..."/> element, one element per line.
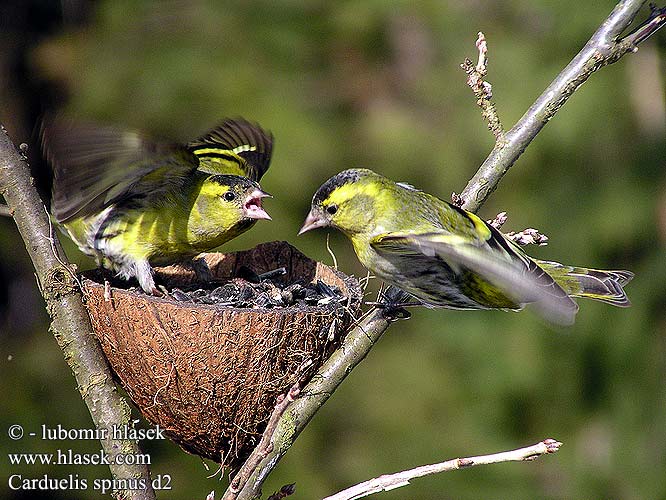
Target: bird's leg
<point x="393" y="301"/>
<point x="144" y="274"/>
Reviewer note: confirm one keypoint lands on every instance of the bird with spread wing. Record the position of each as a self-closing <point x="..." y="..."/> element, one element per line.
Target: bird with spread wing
<point x="132" y="202"/>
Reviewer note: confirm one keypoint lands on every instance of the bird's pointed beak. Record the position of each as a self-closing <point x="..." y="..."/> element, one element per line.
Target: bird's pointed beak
<point x="252" y="205"/>
<point x="313" y="221"/>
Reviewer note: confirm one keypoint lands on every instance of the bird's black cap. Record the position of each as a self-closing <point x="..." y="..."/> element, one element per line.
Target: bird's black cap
<point x="344" y="177"/>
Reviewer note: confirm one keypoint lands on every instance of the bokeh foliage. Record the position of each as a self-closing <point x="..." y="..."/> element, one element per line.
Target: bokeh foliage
<point x="377" y="84"/>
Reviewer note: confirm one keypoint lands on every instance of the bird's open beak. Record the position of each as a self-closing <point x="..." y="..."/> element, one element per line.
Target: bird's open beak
<point x="313" y="221"/>
<point x="252" y="205"/>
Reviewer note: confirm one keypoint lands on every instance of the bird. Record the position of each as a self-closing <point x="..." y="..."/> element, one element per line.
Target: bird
<point x="133" y="202"/>
<point x="445" y="256"/>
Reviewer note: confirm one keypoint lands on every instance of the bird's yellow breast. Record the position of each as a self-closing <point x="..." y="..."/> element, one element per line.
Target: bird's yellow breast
<point x="172" y="230"/>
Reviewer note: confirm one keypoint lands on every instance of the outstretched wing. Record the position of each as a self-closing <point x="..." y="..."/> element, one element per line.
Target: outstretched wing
<point x="95" y="166"/>
<point x="519" y="278"/>
<point x="235" y="147"/>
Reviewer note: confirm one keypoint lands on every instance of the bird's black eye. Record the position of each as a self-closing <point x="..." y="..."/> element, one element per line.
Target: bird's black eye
<point x="229" y="196"/>
<point x="332" y="208"/>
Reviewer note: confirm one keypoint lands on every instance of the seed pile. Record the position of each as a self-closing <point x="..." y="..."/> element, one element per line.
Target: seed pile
<point x="267" y="290"/>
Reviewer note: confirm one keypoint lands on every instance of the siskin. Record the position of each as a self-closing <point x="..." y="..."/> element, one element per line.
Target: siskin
<point x="445" y="256"/>
<point x="132" y="203"/>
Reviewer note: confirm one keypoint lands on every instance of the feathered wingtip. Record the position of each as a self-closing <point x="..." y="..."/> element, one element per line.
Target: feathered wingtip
<point x="237" y="137"/>
<point x="94" y="164"/>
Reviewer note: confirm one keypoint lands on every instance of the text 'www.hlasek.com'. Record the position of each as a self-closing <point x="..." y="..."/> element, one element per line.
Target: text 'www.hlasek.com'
<point x="57" y="455"/>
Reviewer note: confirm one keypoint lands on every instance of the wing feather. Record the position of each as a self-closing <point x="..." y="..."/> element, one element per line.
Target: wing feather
<point x="523" y="282"/>
<point x="236" y="147"/>
<point x="95" y="166"/>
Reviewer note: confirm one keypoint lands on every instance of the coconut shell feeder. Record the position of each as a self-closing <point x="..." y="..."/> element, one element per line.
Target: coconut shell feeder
<point x="209" y="374"/>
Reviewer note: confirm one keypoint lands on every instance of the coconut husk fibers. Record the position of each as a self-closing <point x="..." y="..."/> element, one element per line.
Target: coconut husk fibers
<point x="210" y="375"/>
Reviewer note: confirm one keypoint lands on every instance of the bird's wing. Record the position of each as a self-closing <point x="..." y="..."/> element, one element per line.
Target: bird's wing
<point x="235" y="147"/>
<point x="520" y="279"/>
<point x="95" y="166"/>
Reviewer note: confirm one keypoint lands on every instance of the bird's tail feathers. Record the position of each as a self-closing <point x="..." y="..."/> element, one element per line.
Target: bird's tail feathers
<point x="606" y="286"/>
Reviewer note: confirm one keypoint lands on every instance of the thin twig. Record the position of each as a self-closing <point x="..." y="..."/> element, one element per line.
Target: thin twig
<point x="391" y="481"/>
<point x="482" y="89"/>
<point x="602" y="49"/>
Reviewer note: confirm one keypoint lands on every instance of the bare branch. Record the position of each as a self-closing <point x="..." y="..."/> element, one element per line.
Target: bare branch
<point x="355" y="347"/>
<point x="265" y="445"/>
<point x="70" y="323"/>
<point x="391" y="481"/>
<point x="602" y="49"/>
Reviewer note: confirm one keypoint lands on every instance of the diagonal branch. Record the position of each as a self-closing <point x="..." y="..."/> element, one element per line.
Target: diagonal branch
<point x="602" y="49"/>
<point x="265" y="445"/>
<point x="70" y="323"/>
<point x="356" y="346"/>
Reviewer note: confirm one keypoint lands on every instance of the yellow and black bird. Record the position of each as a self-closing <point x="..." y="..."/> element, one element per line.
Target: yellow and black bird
<point x="131" y="202"/>
<point x="445" y="256"/>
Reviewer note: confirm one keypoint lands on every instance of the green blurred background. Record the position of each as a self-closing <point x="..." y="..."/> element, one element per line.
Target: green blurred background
<point x="378" y="84"/>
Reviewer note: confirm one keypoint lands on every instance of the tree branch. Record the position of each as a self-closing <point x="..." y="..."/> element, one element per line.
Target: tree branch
<point x="264" y="447"/>
<point x="388" y="482"/>
<point x="70" y="323"/>
<point x="602" y="49"/>
<point x="356" y="346"/>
